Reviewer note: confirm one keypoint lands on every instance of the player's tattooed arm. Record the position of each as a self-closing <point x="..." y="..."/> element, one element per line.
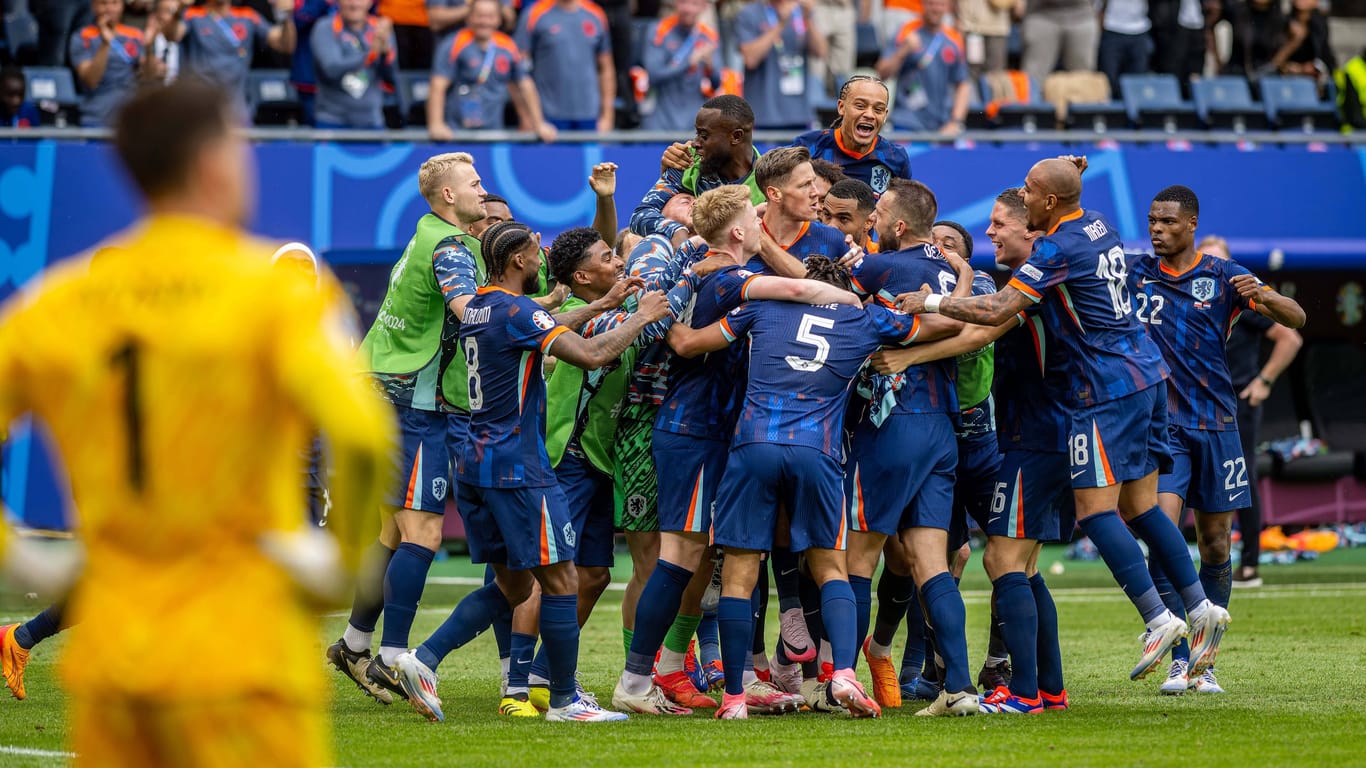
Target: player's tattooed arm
<point x="575" y="318"/>
<point x="970" y="339"/>
<point x="978" y="310"/>
<point x="590" y="354"/>
<point x="1276" y="306"/>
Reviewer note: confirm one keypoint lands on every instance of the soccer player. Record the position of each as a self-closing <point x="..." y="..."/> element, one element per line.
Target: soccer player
<point x="565" y="41"/>
<point x="1189" y="302"/>
<point x="107" y="57"/>
<point x="683" y="62"/>
<point x="514" y="511"/>
<point x="789" y="184"/>
<point x="848" y="207"/>
<point x="786" y="451"/>
<point x="689" y="448"/>
<point x="165" y="342"/>
<point x="217" y="41"/>
<point x="827" y="175"/>
<point x="894" y="492"/>
<point x="722" y="153"/>
<point x="853" y="142"/>
<point x="475" y="72"/>
<point x="1115" y="397"/>
<point x="1029" y="502"/>
<point x="354" y="58"/>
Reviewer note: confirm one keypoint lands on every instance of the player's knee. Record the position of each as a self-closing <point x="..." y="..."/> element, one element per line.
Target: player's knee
<point x="558" y="579"/>
<point x="593" y="581"/>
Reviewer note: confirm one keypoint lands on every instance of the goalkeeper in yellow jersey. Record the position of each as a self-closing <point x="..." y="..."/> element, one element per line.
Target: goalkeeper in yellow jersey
<point x="181" y="376"/>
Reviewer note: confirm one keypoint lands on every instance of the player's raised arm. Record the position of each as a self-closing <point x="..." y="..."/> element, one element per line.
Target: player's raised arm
<point x="1269" y="302"/>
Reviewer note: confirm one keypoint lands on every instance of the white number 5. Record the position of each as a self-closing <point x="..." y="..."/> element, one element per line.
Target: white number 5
<point x="805" y="336"/>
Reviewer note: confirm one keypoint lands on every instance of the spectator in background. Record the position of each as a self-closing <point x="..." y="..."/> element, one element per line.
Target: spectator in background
<point x="353" y="55"/>
<point x="683" y="63"/>
<point x="932" y="88"/>
<point x="838" y="20"/>
<point x="895" y="15"/>
<point x="57" y="20"/>
<point x="217" y="41"/>
<point x="1306" y="50"/>
<point x="106" y="56"/>
<point x="1252" y="380"/>
<point x="1053" y="29"/>
<point x="1178" y="33"/>
<point x="566" y="40"/>
<point x="620" y="31"/>
<point x="412" y="30"/>
<point x="1125" y="43"/>
<point x="161" y="49"/>
<point x="301" y="74"/>
<point x="779" y="39"/>
<point x="16" y="111"/>
<point x="445" y="17"/>
<point x="985" y="25"/>
<point x="1258" y="33"/>
<point x="476" y="70"/>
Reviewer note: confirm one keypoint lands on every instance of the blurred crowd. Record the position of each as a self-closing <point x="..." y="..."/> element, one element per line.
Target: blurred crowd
<point x="553" y="65"/>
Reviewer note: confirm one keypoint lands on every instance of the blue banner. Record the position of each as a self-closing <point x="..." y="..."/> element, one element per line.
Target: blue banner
<point x="60" y="198"/>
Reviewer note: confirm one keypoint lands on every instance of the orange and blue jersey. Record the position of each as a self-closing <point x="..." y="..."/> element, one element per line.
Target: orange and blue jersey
<point x="505" y="338"/>
<point x="886" y="160"/>
<point x="564" y="46"/>
<point x="928" y="79"/>
<point x="802" y="360"/>
<point x="485" y="70"/>
<point x="120" y="74"/>
<point x="679" y="86"/>
<point x="702" y="398"/>
<point x="1107" y="354"/>
<point x="1029" y="413"/>
<point x="814" y="239"/>
<point x="220" y="47"/>
<point x="928" y="388"/>
<point x="1189" y="315"/>
<point x="654" y="261"/>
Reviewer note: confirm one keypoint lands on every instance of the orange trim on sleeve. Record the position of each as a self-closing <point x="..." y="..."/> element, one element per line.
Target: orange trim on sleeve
<point x="1073" y="216"/>
<point x="1033" y="295"/>
<point x="915" y="329"/>
<point x="744" y="289"/>
<point x="195" y="13"/>
<point x="907" y="29"/>
<point x="537" y="11"/>
<point x="552" y="335"/>
<point x="726" y="330"/>
<point x="462" y="40"/>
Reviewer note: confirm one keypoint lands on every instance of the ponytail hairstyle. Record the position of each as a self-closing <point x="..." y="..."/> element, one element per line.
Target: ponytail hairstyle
<point x="844" y="91"/>
<point x="826" y="271"/>
<point x="500" y="241"/>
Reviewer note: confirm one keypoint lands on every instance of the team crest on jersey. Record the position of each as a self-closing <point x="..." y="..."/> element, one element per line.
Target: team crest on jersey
<point x="879" y="179"/>
<point x="1202" y="288"/>
<point x="635" y="506"/>
<point x="543" y="320"/>
<point x="439" y="488"/>
<point x="568" y="532"/>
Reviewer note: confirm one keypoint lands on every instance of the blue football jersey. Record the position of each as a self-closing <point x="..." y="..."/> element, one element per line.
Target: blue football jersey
<point x="816" y="239"/>
<point x="1189" y="315"/>
<point x="927" y="388"/>
<point x="1109" y="356"/>
<point x="802" y="359"/>
<point x="504" y="337"/>
<point x="1029" y="414"/>
<point x="702" y="393"/>
<point x="876" y="167"/>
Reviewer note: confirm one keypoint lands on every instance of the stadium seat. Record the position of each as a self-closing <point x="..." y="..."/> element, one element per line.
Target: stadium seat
<point x="413" y="88"/>
<point x="54" y="90"/>
<point x="1154" y="101"/>
<point x="1013" y="102"/>
<point x="1292" y="103"/>
<point x="1225" y="103"/>
<point x="272" y="98"/>
<point x="1083" y="100"/>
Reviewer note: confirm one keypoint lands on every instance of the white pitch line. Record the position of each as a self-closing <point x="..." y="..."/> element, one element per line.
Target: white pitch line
<point x="40" y="753"/>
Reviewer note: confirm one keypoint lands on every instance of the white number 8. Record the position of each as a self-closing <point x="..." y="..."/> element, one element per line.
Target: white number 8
<point x="472" y="368"/>
<point x="1079" y="450"/>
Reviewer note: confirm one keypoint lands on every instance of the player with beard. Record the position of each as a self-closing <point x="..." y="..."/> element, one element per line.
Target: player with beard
<point x="852" y="141"/>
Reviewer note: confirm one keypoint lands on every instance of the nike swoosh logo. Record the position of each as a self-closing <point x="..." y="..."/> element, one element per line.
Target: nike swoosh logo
<point x="1076" y="475"/>
<point x="1233" y="496"/>
<point x="787" y="572"/>
<point x="524" y="661"/>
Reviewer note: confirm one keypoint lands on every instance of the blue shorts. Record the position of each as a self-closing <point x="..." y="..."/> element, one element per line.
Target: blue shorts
<point x="1119" y="440"/>
<point x="522" y="528"/>
<point x="689" y="471"/>
<point x="1033" y="499"/>
<point x="761" y="477"/>
<point x="901" y="475"/>
<point x="1208" y="470"/>
<point x="588" y="492"/>
<point x="457" y="431"/>
<point x="979" y="460"/>
<point x="424" y="466"/>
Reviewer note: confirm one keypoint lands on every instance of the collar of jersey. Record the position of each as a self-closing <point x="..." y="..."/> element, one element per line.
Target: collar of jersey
<point x="1168" y="271"/>
<point x="1073" y="216"/>
<point x="483" y="289"/>
<point x="839" y="142"/>
<point x="806" y="226"/>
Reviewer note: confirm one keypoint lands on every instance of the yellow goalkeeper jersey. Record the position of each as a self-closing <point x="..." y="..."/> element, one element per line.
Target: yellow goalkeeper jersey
<point x="180" y="376"/>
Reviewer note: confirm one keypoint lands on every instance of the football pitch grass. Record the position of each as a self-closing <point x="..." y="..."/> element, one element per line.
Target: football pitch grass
<point x="1289" y="661"/>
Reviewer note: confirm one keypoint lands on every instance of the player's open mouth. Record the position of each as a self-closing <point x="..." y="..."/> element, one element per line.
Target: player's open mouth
<point x="865" y="130"/>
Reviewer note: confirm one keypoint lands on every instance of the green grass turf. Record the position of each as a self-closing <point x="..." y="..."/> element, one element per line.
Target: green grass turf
<point x="1294" y="647"/>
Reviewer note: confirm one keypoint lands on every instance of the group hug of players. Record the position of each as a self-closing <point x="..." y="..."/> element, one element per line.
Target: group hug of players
<point x="744" y="389"/>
